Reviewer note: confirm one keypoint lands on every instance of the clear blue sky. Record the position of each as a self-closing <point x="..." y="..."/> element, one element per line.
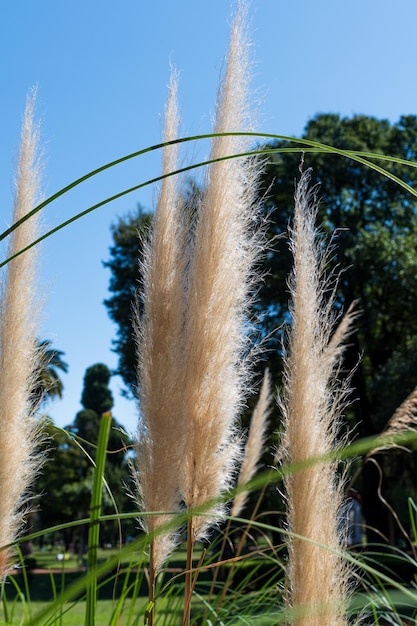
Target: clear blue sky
<point x="102" y="68"/>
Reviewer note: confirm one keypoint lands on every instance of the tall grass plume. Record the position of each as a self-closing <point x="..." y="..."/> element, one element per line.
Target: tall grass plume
<point x="193" y="344"/>
<point x="317" y="574"/>
<point x="19" y="354"/>
<point x="215" y="372"/>
<point x="157" y="332"/>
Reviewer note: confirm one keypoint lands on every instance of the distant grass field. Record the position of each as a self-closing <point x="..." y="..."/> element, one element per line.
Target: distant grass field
<point x="123" y="591"/>
<point x="73" y="615"/>
<point x="26" y="593"/>
<point x="48" y="559"/>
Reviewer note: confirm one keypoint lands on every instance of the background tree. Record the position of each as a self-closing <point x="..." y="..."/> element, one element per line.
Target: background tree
<point x="123" y="265"/>
<point x="370" y="225"/>
<point x="67" y="480"/>
<point x="374" y="247"/>
<point x="62" y="494"/>
<point x="49" y="385"/>
<point x="97" y="399"/>
<point x="375" y="222"/>
<point x="96" y="395"/>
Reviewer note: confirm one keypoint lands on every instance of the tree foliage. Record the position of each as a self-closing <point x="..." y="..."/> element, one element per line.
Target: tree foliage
<point x="123" y="265"/>
<point x="48" y="384"/>
<point x="373" y="223"/>
<point x="96" y="395"/>
<point x="67" y="480"/>
<point x="369" y="224"/>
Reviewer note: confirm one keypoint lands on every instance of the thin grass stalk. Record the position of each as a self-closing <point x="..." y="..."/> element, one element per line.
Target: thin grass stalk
<point x="94" y="527"/>
<point x="313" y="147"/>
<point x="19" y="356"/>
<point x="188" y="575"/>
<point x="128" y="590"/>
<point x="238" y="552"/>
<point x="61" y="611"/>
<point x="134" y="597"/>
<point x="255" y="443"/>
<point x="317" y="576"/>
<point x="26" y="586"/>
<point x="306" y="146"/>
<point x="79" y="585"/>
<point x="4" y="603"/>
<point x="157" y="333"/>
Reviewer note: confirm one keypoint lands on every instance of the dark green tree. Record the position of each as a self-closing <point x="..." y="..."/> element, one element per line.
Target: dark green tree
<point x="97" y="399"/>
<point x="67" y="478"/>
<point x="374" y="223"/>
<point x="96" y="395"/>
<point x="48" y="384"/>
<point x="124" y="268"/>
<point x="60" y="489"/>
<point x="369" y="225"/>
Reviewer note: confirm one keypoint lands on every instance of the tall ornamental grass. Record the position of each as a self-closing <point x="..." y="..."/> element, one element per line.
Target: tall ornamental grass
<point x="194" y="371"/>
<point x="157" y="332"/>
<point x="20" y="354"/>
<point x="311" y="403"/>
<point x="192" y="331"/>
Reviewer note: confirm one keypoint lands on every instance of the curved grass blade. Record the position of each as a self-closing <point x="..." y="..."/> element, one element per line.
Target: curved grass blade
<point x="95" y="509"/>
<point x="305" y="146"/>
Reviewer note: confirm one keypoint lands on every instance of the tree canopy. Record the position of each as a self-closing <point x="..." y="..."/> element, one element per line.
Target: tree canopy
<point x="123" y="265"/>
<point x="48" y="384"/>
<point x="369" y="225"/>
<point x="372" y="222"/>
<point x="96" y="395"/>
<point x="68" y="471"/>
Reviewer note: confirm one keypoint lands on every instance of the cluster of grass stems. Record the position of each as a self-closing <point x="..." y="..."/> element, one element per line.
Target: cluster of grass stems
<point x="247" y="588"/>
<point x="258" y="596"/>
<point x="194" y="376"/>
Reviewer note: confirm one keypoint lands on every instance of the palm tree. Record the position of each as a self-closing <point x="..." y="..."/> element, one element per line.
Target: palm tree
<point x="48" y="382"/>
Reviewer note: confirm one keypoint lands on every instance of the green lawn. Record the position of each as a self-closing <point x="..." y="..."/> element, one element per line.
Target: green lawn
<point x="73" y="615"/>
<point x="27" y="593"/>
<point x="47" y="559"/>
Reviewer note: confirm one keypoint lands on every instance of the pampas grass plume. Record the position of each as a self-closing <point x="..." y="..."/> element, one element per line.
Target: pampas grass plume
<point x="215" y="372"/>
<point x="317" y="574"/>
<point x="403" y="420"/>
<point x="157" y="332"/>
<point x="19" y="356"/>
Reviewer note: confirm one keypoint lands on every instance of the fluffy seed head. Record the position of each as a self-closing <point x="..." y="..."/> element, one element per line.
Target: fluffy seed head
<point x="19" y="356"/>
<point x="317" y="575"/>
